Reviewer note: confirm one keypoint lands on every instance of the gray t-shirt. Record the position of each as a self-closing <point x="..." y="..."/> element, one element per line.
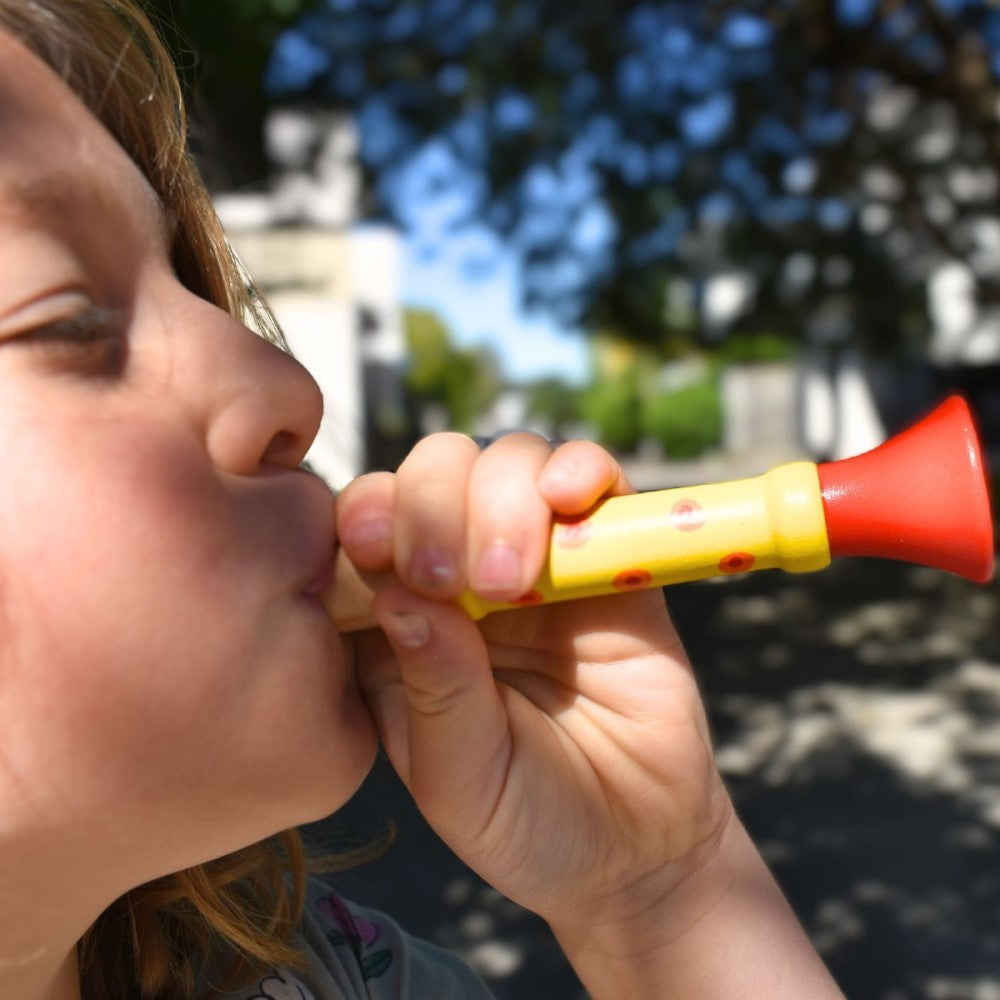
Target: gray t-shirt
<point x="360" y="954"/>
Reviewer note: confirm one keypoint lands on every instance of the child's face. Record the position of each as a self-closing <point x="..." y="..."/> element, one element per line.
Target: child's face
<point x="166" y="679"/>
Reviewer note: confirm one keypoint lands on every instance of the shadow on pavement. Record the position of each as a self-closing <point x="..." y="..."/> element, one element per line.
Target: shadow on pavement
<point x="857" y="720"/>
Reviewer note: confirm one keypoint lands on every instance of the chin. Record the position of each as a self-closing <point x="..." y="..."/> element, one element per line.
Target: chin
<point x="329" y="739"/>
<point x="341" y="771"/>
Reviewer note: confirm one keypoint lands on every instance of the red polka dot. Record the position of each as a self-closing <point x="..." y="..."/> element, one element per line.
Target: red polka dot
<point x="632" y="579"/>
<point x="531" y="597"/>
<point x="687" y="515"/>
<point x="737" y="562"/>
<point x="572" y="534"/>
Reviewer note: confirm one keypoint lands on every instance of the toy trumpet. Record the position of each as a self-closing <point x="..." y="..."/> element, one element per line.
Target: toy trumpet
<point x="921" y="497"/>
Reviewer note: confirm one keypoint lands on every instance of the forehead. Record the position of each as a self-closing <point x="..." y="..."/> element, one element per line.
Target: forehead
<point x="30" y="90"/>
<point x="53" y="151"/>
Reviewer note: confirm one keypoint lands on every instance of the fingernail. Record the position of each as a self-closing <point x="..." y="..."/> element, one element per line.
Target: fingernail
<point x="407" y="629"/>
<point x="373" y="531"/>
<point x="499" y="568"/>
<point x="434" y="568"/>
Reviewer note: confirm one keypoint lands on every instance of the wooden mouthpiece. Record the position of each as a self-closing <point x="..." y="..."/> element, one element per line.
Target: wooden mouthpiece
<point x="348" y="599"/>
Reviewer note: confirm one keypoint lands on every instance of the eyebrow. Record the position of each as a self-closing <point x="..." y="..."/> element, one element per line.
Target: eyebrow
<point x="44" y="198"/>
<point x="54" y="196"/>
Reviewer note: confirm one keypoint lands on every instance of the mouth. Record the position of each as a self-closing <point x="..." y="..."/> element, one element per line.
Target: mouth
<point x="323" y="570"/>
<point x="322" y="538"/>
<point x="321" y="578"/>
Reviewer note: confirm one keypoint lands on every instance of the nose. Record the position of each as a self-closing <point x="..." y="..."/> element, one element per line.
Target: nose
<point x="265" y="407"/>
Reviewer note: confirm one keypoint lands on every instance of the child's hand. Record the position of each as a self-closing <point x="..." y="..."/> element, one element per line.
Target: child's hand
<point x="560" y="750"/>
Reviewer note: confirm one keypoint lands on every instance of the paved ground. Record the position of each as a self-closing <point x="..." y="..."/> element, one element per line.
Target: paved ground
<point x="857" y="717"/>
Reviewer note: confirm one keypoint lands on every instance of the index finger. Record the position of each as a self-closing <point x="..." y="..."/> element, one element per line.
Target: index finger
<point x="578" y="474"/>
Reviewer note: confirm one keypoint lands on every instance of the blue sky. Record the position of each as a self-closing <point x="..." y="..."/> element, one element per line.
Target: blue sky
<point x="483" y="308"/>
<point x="463" y="272"/>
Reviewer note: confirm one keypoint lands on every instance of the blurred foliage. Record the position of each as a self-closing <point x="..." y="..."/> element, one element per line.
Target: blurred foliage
<point x="626" y="402"/>
<point x="833" y="151"/>
<point x="463" y="382"/>
<point x="634" y="403"/>
<point x="754" y="348"/>
<point x="612" y="407"/>
<point x="554" y="402"/>
<point x="686" y="422"/>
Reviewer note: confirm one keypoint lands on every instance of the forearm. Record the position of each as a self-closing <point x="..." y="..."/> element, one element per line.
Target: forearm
<point x="726" y="933"/>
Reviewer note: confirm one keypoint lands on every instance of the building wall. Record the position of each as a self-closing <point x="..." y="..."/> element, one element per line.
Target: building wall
<point x="334" y="286"/>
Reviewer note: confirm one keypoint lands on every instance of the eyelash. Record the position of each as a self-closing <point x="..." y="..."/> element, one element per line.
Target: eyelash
<point x="91" y="342"/>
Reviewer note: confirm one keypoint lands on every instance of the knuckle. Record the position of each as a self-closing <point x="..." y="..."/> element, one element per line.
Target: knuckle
<point x="516" y="438"/>
<point x="441" y="442"/>
<point x="428" y="696"/>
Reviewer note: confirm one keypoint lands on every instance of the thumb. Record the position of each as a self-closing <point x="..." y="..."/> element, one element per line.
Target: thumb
<point x="454" y="751"/>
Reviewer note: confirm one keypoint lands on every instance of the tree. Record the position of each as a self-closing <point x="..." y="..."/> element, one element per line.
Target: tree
<point x="832" y="152"/>
<point x="461" y="382"/>
<point x="554" y="402"/>
<point x="222" y="48"/>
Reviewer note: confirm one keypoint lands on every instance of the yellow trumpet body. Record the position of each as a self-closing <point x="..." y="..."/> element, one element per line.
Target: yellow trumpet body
<point x="676" y="535"/>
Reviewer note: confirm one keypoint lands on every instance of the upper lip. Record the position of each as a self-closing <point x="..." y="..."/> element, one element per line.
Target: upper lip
<point x="322" y="535"/>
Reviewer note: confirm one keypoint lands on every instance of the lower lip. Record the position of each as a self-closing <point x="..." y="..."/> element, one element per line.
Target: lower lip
<point x="315" y="605"/>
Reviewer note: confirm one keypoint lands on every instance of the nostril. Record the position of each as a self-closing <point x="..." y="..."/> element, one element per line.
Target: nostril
<point x="283" y="449"/>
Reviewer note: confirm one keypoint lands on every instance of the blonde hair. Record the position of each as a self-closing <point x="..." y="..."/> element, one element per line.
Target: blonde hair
<point x="237" y="914"/>
<point x="112" y="58"/>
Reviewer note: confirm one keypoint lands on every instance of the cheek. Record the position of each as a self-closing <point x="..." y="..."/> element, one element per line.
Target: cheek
<point x="108" y="572"/>
<point x="104" y="540"/>
<point x="147" y="655"/>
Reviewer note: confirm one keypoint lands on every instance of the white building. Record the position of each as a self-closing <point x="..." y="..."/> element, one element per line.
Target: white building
<point x="334" y="286"/>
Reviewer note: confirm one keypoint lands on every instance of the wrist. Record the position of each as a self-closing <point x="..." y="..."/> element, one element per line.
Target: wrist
<point x="721" y="929"/>
<point x="663" y="906"/>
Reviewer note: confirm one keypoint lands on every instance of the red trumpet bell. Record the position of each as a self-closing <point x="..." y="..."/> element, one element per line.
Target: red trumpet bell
<point x="921" y="497"/>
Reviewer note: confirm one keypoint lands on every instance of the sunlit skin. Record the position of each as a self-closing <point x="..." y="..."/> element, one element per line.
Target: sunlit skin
<point x="561" y="750"/>
<point x="171" y="688"/>
<point x="589" y="722"/>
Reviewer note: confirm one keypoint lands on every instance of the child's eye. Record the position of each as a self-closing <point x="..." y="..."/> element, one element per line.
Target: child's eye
<point x="90" y="342"/>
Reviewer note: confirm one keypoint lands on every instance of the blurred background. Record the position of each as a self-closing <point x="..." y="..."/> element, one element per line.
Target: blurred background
<point x="714" y="236"/>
